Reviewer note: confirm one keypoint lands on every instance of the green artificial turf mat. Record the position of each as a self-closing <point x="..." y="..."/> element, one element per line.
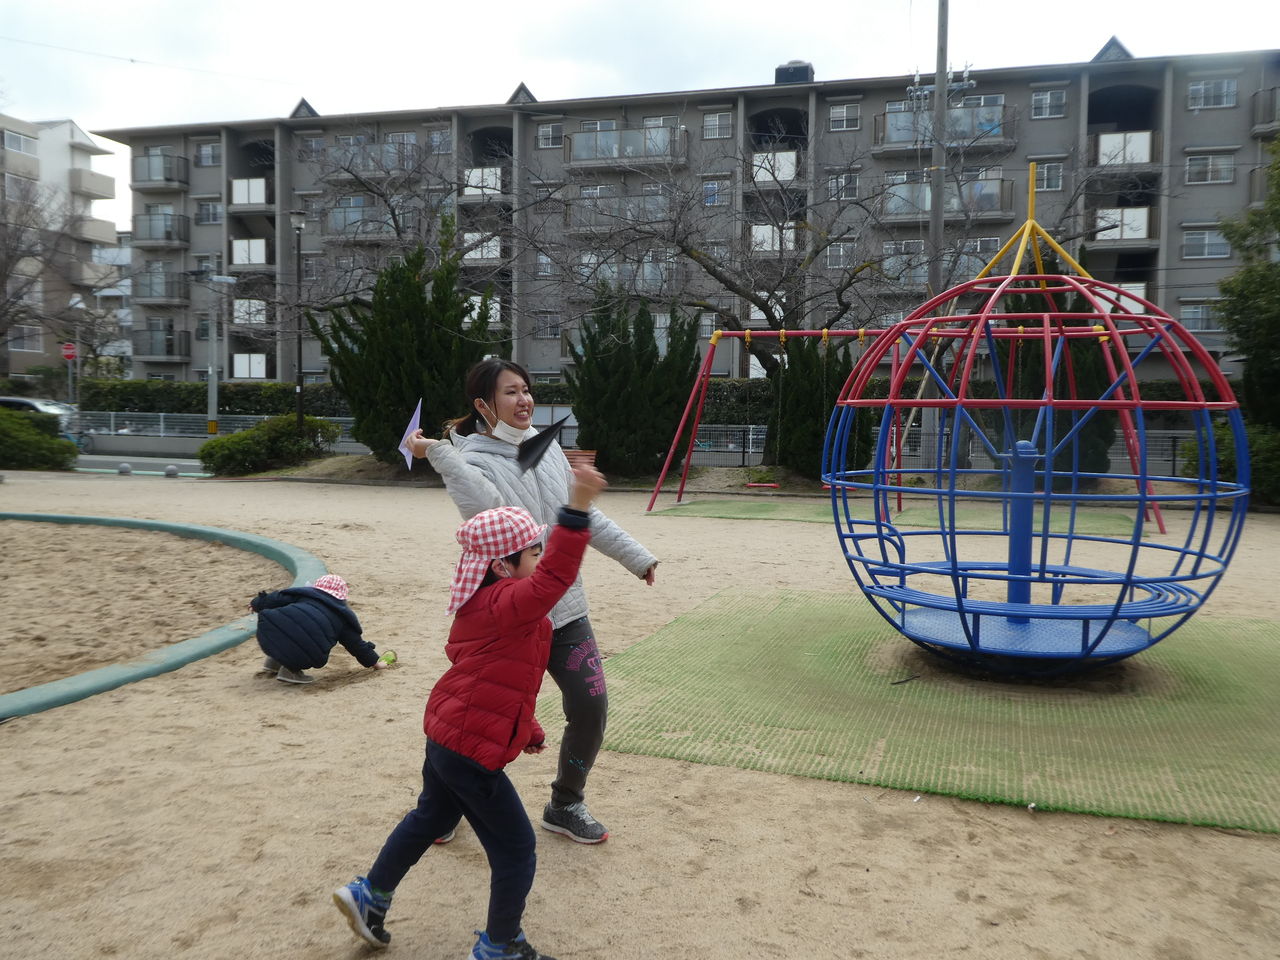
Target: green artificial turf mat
<point x="1113" y="523"/>
<point x="804" y="683"/>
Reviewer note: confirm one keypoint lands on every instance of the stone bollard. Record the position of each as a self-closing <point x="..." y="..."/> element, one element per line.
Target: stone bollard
<point x="124" y="468"/>
<point x="171" y="471"/>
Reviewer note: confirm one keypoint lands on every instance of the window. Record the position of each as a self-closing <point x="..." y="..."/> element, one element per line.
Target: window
<point x="663" y="121"/>
<point x="20" y="142"/>
<point x="973" y="255"/>
<point x="904" y="261"/>
<point x="550" y="135"/>
<point x="26" y="337"/>
<point x="717" y="126"/>
<point x="544" y="266"/>
<point x="249" y="251"/>
<point x="312" y="207"/>
<point x="18" y="188"/>
<point x="440" y="140"/>
<point x="1209" y="94"/>
<point x="1048" y="176"/>
<point x="209" y="154"/>
<point x="1200" y="316"/>
<point x="984" y="100"/>
<point x="209" y="263"/>
<point x="546" y="326"/>
<point x="769" y="237"/>
<point x="1211" y="168"/>
<point x="311" y="148"/>
<point x="1204" y="245"/>
<point x="404" y="137"/>
<point x="840" y="255"/>
<point x="1047" y="104"/>
<point x="481" y="248"/>
<point x="716" y="192"/>
<point x="476" y="302"/>
<point x="846" y="116"/>
<point x="595" y="126"/>
<point x="168" y="377"/>
<point x="312" y="267"/>
<point x="208" y="211"/>
<point x="351" y="139"/>
<point x="249" y="366"/>
<point x="252" y="312"/>
<point x="842" y="186"/>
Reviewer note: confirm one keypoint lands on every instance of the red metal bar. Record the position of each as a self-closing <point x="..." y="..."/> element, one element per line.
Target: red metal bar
<point x="700" y="383"/>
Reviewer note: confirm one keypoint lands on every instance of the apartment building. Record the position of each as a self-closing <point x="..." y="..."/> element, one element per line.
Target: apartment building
<point x="47" y="248"/>
<point x="803" y="202"/>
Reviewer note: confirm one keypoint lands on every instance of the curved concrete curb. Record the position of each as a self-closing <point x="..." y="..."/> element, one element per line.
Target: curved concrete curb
<point x="304" y="566"/>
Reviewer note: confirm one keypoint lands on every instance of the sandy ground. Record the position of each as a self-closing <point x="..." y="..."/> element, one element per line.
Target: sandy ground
<point x="208" y="813"/>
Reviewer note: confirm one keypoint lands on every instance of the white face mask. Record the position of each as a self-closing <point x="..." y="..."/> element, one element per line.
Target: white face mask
<point x="501" y="430"/>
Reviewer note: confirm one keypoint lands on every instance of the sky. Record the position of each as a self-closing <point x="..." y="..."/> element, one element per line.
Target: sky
<point x="132" y="63"/>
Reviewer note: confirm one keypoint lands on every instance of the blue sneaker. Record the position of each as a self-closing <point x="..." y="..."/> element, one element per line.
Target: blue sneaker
<point x="364" y="910"/>
<point x="517" y="949"/>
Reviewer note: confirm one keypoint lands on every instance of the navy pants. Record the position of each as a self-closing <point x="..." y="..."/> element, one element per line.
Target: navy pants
<point x="454" y="786"/>
<point x="576" y="668"/>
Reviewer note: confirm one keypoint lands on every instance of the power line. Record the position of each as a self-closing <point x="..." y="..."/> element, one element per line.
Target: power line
<point x="140" y="62"/>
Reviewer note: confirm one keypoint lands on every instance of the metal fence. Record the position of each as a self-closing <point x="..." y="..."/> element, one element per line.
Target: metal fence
<point x="178" y="424"/>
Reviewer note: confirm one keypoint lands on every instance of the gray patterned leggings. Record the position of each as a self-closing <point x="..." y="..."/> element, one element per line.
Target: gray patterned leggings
<point x="576" y="668"/>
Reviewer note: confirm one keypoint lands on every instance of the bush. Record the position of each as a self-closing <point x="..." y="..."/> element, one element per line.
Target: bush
<point x="1264" y="460"/>
<point x="269" y="445"/>
<point x="30" y="441"/>
<point x="166" y="396"/>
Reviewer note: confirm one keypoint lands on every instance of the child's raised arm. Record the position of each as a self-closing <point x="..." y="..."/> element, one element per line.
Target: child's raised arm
<point x="587" y="484"/>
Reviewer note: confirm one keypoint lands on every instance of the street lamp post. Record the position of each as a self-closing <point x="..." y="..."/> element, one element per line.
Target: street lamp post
<point x="299" y="219"/>
<point x="223" y="300"/>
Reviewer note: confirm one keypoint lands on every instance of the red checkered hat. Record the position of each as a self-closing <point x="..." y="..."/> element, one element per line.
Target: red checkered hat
<point x="332" y="584"/>
<point x="488" y="536"/>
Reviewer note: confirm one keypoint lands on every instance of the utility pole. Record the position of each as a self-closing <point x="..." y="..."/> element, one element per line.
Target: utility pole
<point x="298" y="219"/>
<point x="227" y="285"/>
<point x="938" y="175"/>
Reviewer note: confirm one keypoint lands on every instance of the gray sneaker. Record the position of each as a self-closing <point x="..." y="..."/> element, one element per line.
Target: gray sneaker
<point x="271" y="664"/>
<point x="575" y="822"/>
<point x="293" y="676"/>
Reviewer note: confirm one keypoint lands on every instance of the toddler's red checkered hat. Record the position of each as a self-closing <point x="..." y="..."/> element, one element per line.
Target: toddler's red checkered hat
<point x="488" y="536"/>
<point x="332" y="584"/>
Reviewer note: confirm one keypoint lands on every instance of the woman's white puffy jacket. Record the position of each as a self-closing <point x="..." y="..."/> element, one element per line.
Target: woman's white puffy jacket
<point x="481" y="473"/>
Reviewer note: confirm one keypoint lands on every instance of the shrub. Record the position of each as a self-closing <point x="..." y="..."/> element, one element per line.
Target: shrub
<point x="269" y="445"/>
<point x="1264" y="459"/>
<point x="30" y="441"/>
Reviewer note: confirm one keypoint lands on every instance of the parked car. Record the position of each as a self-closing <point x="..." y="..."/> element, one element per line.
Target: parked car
<point x="64" y="411"/>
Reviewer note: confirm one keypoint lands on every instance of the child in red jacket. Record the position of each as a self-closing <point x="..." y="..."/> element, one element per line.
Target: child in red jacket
<point x="479" y="715"/>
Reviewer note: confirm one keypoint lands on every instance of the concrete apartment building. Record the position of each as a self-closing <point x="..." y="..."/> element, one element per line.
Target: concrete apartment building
<point x="747" y="202"/>
<point x="51" y="252"/>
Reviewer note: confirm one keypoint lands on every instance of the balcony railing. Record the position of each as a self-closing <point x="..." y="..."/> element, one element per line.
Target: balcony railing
<point x="481" y="183"/>
<point x="597" y="213"/>
<point x="161" y="286"/>
<point x="1124" y="224"/>
<point x="1128" y="148"/>
<point x="354" y="223"/>
<point x="164" y="170"/>
<point x="623" y="147"/>
<point x="981" y="199"/>
<point x="161" y="229"/>
<point x="776" y="166"/>
<point x="1266" y="112"/>
<point x="89" y="183"/>
<point x="161" y="344"/>
<point x="373" y="157"/>
<point x="966" y="126"/>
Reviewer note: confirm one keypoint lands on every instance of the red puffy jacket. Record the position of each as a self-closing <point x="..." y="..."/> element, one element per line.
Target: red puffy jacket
<point x="482" y="707"/>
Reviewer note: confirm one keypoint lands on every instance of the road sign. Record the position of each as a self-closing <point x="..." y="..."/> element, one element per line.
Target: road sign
<point x="68" y="351"/>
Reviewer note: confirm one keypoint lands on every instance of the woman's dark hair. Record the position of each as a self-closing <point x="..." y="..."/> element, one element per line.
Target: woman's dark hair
<point x="482" y="384"/>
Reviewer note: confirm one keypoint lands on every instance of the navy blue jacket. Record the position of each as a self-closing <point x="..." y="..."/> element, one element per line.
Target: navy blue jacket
<point x="299" y="626"/>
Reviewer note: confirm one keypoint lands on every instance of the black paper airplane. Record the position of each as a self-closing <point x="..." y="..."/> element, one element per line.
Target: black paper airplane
<point x="530" y="451"/>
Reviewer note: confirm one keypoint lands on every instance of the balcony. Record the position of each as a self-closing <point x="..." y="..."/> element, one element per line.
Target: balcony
<point x="160" y="346"/>
<point x="599" y="214"/>
<point x="161" y="231"/>
<point x="371" y="159"/>
<point x="485" y="184"/>
<point x="256" y="195"/>
<point x="1129" y="227"/>
<point x="973" y="128"/>
<point x="162" y="289"/>
<point x="779" y="168"/>
<point x="362" y="225"/>
<point x="1125" y="151"/>
<point x="1259" y="186"/>
<point x="159" y="172"/>
<point x="252" y="255"/>
<point x="94" y="231"/>
<point x="1266" y="113"/>
<point x="640" y="147"/>
<point x="95" y="186"/>
<point x="985" y="200"/>
<point x="85" y="274"/>
<point x="908" y="271"/>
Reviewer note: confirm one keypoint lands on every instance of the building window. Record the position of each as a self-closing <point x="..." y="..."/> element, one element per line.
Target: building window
<point x="846" y="116"/>
<point x="1209" y="94"/>
<point x="1204" y="245"/>
<point x="19" y="189"/>
<point x="480" y="247"/>
<point x="668" y="120"/>
<point x="251" y="312"/>
<point x="167" y="377"/>
<point x="250" y="250"/>
<point x="208" y="211"/>
<point x="769" y="237"/>
<point x="26" y="337"/>
<point x="1200" y="316"/>
<point x="311" y="148"/>
<point x="1048" y="176"/>
<point x="249" y="366"/>
<point x="715" y="192"/>
<point x="209" y="263"/>
<point x="550" y="135"/>
<point x="842" y="186"/>
<point x="546" y="326"/>
<point x="312" y="207"/>
<point x="1048" y="104"/>
<point x="312" y="267"/>
<point x="840" y="255"/>
<point x="1211" y="168"/>
<point x="209" y="154"/>
<point x="717" y="126"/>
<point x="544" y="266"/>
<point x="440" y="140"/>
<point x="20" y="142"/>
<point x="595" y="126"/>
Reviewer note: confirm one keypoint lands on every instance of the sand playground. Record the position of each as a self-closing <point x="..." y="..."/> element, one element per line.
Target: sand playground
<point x="209" y="812"/>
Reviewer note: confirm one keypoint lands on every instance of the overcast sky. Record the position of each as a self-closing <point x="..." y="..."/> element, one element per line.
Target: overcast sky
<point x="127" y="63"/>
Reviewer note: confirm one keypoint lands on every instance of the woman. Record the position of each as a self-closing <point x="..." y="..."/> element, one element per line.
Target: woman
<point x="478" y="463"/>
